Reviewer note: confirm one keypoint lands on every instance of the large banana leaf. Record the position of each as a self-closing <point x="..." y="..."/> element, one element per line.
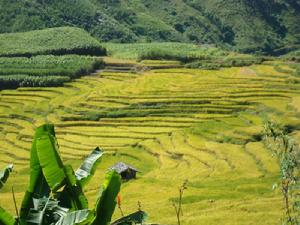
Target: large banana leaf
<point x="52" y="166"/>
<point x="72" y="196"/>
<point x="38" y="186"/>
<point x="107" y="200"/>
<point x="6" y="218"/>
<point x="88" y="167"/>
<point x="47" y="211"/>
<point x="5" y="174"/>
<point x="135" y="218"/>
<point x="73" y="218"/>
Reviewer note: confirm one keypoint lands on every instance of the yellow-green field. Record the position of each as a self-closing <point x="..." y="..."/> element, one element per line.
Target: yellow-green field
<point x="172" y="124"/>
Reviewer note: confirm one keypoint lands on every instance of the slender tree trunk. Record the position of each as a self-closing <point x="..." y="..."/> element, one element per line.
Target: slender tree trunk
<point x="285" y="190"/>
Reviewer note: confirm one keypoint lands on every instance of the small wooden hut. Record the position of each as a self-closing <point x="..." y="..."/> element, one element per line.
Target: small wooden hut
<point x="127" y="172"/>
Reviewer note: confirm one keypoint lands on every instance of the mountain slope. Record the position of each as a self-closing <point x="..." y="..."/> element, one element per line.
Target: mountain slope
<point x="23" y="15"/>
<point x="244" y="25"/>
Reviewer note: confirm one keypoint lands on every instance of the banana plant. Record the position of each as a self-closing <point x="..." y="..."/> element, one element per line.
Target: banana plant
<point x="55" y="192"/>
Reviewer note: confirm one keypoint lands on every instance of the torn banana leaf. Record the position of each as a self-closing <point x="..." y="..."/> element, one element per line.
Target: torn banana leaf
<point x="5" y="174"/>
<point x="88" y="167"/>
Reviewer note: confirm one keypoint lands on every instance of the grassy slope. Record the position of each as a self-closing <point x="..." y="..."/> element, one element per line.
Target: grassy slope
<point x="56" y="41"/>
<point x="138" y="50"/>
<point x="243" y="25"/>
<point x="172" y="124"/>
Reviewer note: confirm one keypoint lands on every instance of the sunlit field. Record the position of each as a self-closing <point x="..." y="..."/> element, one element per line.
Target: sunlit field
<point x="170" y="122"/>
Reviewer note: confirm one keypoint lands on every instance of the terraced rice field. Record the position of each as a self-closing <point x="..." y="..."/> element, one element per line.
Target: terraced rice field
<point x="172" y="124"/>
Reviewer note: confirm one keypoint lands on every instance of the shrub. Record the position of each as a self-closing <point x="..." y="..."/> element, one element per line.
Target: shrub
<point x="288" y="153"/>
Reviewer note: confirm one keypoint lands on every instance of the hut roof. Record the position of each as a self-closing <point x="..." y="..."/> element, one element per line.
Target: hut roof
<point x="121" y="167"/>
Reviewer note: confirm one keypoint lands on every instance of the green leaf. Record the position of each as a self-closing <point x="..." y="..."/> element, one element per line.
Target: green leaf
<point x="50" y="161"/>
<point x="135" y="218"/>
<point x="107" y="200"/>
<point x="6" y="218"/>
<point x="38" y="186"/>
<point x="73" y="218"/>
<point x="72" y="196"/>
<point x="88" y="167"/>
<point x="5" y="174"/>
<point x="47" y="211"/>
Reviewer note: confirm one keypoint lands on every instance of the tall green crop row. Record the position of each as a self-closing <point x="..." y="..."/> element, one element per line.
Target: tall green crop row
<point x="42" y="71"/>
<point x="54" y="41"/>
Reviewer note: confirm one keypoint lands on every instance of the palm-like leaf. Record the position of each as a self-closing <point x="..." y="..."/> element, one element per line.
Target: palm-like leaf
<point x="48" y="211"/>
<point x="38" y="186"/>
<point x="72" y="195"/>
<point x="49" y="174"/>
<point x="6" y="218"/>
<point x="73" y="218"/>
<point x="88" y="167"/>
<point x="107" y="200"/>
<point x="135" y="218"/>
<point x="5" y="174"/>
<point x="52" y="166"/>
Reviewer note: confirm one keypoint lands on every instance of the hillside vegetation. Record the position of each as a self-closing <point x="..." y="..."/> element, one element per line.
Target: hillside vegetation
<point x="269" y="26"/>
<point x="188" y="55"/>
<point x="54" y="41"/>
<point x="42" y="58"/>
<point x="172" y="124"/>
<point x="44" y="71"/>
<point x="163" y="50"/>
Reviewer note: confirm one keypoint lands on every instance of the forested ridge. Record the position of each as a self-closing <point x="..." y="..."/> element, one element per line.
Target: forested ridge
<point x="268" y="26"/>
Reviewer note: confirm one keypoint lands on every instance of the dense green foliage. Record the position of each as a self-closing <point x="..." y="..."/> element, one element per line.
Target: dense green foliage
<point x="229" y="61"/>
<point x="42" y="71"/>
<point x="15" y="81"/>
<point x="55" y="41"/>
<point x="266" y="25"/>
<point x="292" y="56"/>
<point x="193" y="56"/>
<point x="166" y="50"/>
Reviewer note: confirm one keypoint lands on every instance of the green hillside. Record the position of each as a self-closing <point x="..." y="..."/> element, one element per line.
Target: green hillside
<point x="260" y="26"/>
<point x="48" y="57"/>
<point x="55" y="41"/>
